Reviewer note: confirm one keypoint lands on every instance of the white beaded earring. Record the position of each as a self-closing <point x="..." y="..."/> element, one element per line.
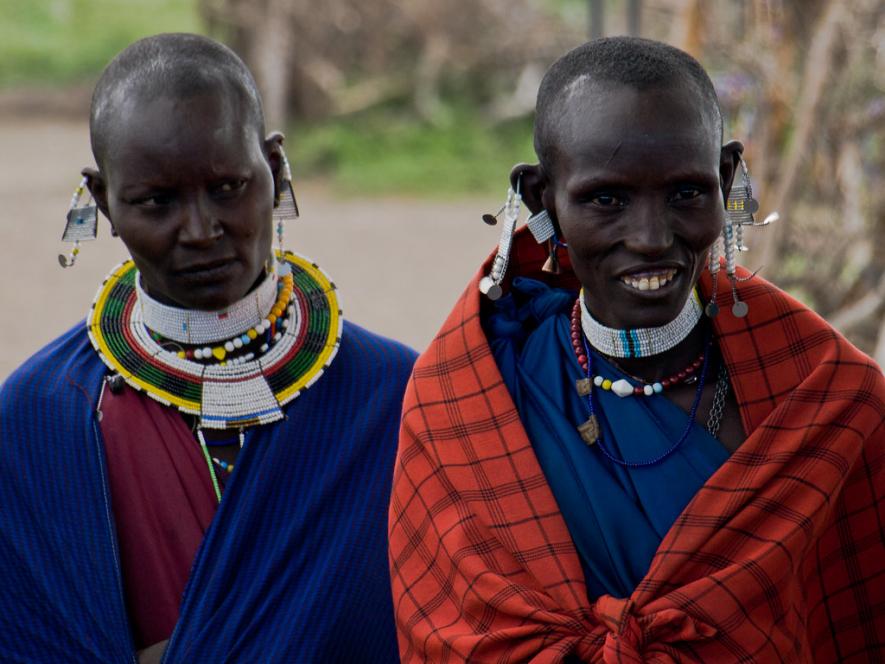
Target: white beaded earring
<point x="81" y="224"/>
<point x="490" y="285"/>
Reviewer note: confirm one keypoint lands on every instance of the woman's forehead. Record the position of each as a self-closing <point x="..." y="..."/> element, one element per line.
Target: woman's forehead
<point x="617" y="123"/>
<point x="176" y="124"/>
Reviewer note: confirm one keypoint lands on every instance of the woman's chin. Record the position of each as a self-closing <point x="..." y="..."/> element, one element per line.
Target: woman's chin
<point x="631" y="308"/>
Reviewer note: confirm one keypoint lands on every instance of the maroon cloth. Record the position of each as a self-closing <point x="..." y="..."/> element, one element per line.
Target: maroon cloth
<point x="163" y="503"/>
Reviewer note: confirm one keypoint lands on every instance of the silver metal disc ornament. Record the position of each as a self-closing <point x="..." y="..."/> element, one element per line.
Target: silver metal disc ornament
<point x="490" y="289"/>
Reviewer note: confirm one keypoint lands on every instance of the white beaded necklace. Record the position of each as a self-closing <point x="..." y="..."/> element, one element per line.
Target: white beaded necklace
<point x="641" y="342"/>
<point x="190" y="326"/>
<point x="226" y="395"/>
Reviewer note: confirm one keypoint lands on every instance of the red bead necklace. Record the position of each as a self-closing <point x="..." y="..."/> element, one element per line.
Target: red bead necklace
<point x="619" y="387"/>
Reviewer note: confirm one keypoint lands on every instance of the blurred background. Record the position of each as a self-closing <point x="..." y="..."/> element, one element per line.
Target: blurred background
<point x="404" y="117"/>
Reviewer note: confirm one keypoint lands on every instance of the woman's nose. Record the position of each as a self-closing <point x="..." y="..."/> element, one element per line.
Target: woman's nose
<point x="650" y="232"/>
<point x="199" y="226"/>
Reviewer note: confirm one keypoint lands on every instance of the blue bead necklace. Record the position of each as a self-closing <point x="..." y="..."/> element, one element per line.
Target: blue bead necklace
<point x="590" y="430"/>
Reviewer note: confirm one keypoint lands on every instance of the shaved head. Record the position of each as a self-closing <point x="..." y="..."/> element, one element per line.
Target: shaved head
<point x="176" y="66"/>
<point x="611" y="62"/>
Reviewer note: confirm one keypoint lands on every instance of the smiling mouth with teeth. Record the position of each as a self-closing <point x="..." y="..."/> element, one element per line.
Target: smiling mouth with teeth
<point x="649" y="281"/>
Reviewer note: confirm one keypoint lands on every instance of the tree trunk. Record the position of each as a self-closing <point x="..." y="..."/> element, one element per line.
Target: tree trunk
<point x="270" y="49"/>
<point x="815" y="75"/>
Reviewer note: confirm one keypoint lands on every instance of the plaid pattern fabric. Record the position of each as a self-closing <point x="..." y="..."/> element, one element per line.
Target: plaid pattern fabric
<point x="778" y="558"/>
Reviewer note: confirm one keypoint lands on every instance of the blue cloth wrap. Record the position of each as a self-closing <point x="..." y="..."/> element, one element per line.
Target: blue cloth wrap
<point x="617" y="516"/>
<point x="294" y="566"/>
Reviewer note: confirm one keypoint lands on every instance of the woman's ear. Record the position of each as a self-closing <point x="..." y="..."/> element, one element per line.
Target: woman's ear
<point x="729" y="159"/>
<point x="536" y="191"/>
<point x="99" y="189"/>
<point x="531" y="181"/>
<point x="273" y="151"/>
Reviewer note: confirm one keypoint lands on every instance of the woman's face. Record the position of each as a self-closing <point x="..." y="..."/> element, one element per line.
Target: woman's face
<point x="636" y="192"/>
<point x="189" y="190"/>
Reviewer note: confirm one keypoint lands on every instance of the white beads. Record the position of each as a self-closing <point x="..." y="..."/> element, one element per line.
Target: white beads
<point x="189" y="326"/>
<point x="641" y="342"/>
<point x="490" y="285"/>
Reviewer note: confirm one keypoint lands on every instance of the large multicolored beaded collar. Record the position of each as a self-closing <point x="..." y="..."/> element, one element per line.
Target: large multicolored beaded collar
<point x="222" y="395"/>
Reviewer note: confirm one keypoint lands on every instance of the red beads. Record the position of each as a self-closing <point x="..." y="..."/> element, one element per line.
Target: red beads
<point x="577" y="336"/>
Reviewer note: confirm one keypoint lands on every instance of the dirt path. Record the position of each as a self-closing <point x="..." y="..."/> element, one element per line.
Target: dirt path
<point x="398" y="263"/>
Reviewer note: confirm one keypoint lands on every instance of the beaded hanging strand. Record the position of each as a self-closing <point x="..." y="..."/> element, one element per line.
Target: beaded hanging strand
<point x="226" y="466"/>
<point x="675" y="446"/>
<point x="209" y="463"/>
<point x="590" y="431"/>
<point x="204" y="447"/>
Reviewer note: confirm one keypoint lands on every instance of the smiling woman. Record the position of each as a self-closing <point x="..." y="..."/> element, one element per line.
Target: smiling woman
<point x="591" y="469"/>
<point x="178" y="479"/>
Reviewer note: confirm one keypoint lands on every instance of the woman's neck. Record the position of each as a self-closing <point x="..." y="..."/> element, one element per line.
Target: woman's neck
<point x="189" y="326"/>
<point x="657" y="367"/>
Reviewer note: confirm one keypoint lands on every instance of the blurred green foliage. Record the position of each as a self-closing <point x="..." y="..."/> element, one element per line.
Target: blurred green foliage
<point x="380" y="152"/>
<point x="384" y="150"/>
<point x="64" y="41"/>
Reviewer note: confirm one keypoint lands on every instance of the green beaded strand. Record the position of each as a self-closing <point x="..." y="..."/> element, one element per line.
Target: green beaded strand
<point x="209" y="463"/>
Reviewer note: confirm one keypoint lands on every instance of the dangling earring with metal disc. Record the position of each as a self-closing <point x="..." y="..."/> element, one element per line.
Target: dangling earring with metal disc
<point x="81" y="224"/>
<point x="740" y="210"/>
<point x="286" y="207"/>
<point x="490" y="285"/>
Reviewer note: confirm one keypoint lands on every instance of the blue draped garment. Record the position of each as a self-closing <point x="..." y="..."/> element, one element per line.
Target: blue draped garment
<point x="294" y="565"/>
<point x="617" y="516"/>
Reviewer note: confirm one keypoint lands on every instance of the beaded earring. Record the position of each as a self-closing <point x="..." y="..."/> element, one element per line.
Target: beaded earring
<point x="490" y="285"/>
<point x="287" y="207"/>
<point x="740" y="210"/>
<point x="81" y="225"/>
<point x="541" y="227"/>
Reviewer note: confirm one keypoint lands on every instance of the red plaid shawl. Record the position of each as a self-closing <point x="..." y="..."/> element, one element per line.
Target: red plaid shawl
<point x="778" y="558"/>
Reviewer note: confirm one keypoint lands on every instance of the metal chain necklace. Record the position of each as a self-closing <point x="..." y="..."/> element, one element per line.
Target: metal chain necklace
<point x="714" y="420"/>
<point x="590" y="430"/>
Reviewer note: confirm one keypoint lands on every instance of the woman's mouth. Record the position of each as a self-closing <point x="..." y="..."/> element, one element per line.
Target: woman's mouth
<point x="649" y="280"/>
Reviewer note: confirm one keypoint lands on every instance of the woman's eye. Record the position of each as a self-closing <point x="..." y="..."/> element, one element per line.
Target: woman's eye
<point x="686" y="194"/>
<point x="606" y="200"/>
<point x="230" y="186"/>
<point x="158" y="200"/>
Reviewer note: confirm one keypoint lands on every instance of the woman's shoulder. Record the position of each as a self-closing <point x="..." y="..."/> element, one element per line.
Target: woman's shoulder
<point x="780" y="323"/>
<point x="66" y="363"/>
<point x="781" y="349"/>
<point x="367" y="352"/>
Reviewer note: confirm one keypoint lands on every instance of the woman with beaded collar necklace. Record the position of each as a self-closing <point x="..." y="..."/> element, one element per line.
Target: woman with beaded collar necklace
<point x="591" y="468"/>
<point x="200" y="472"/>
